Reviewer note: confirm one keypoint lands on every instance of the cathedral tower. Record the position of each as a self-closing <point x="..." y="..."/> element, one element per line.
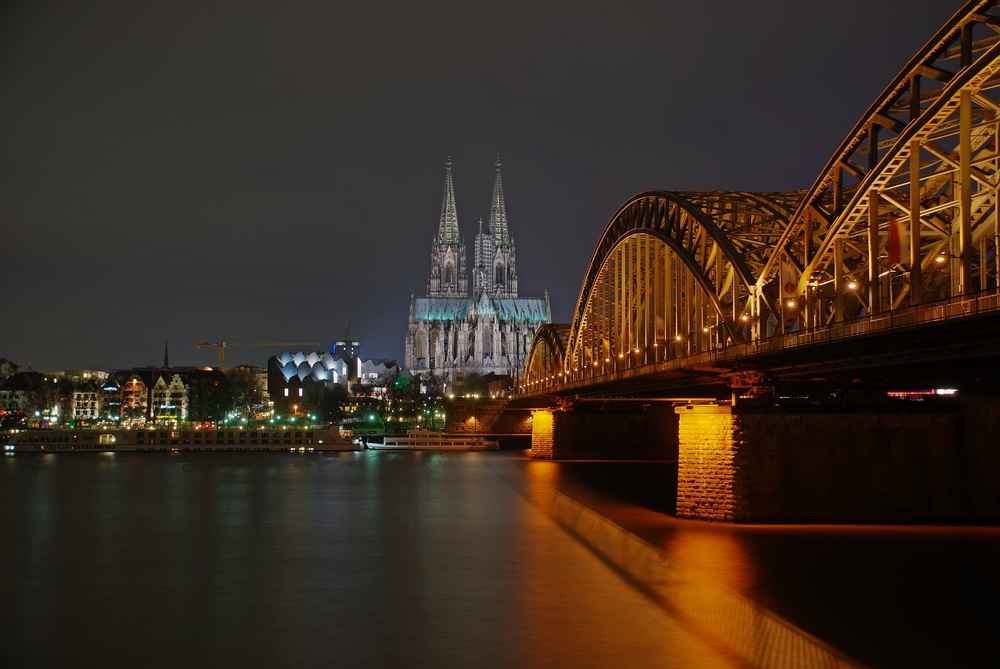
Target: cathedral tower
<point x="496" y="259"/>
<point x="451" y="334"/>
<point x="447" y="278"/>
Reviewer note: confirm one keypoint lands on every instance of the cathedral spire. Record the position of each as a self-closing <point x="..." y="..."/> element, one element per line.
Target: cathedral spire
<point x="448" y="277"/>
<point x="448" y="227"/>
<point x="498" y="207"/>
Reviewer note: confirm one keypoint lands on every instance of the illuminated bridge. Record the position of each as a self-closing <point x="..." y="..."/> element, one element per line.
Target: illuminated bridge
<point x="888" y="261"/>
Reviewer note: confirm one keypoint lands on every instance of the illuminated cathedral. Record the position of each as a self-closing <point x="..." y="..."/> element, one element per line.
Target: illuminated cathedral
<point x="453" y="332"/>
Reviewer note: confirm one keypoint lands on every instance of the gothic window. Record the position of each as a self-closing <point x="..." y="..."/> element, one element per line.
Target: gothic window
<point x="499" y="275"/>
<point x="419" y="345"/>
<point x="448" y="272"/>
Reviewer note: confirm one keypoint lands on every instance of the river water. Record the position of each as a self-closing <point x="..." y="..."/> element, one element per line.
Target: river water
<point x="401" y="559"/>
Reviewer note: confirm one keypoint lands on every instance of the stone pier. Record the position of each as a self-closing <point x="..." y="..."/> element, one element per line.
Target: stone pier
<point x="863" y="466"/>
<point x="890" y="463"/>
<point x="594" y="430"/>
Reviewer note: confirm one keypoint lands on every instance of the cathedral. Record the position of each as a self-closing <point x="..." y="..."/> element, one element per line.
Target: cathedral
<point x="452" y="331"/>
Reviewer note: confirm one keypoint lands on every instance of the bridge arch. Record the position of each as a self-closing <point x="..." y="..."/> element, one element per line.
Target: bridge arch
<point x="903" y="213"/>
<point x="664" y="255"/>
<point x="919" y="170"/>
<point x="547" y="354"/>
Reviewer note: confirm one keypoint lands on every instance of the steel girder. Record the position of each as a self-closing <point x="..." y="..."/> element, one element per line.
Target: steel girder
<point x="721" y="239"/>
<point x="548" y="352"/>
<point x="919" y="169"/>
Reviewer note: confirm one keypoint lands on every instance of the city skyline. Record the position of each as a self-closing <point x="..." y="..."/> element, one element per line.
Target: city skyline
<point x="259" y="210"/>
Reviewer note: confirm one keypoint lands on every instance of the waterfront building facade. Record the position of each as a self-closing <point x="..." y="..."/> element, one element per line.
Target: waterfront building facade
<point x="169" y="399"/>
<point x="111" y="399"/>
<point x="451" y="332"/>
<point x="296" y="382"/>
<point x="134" y="402"/>
<point x="86" y="402"/>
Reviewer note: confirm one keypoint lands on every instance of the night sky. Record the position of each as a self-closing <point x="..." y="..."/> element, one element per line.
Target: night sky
<point x="270" y="171"/>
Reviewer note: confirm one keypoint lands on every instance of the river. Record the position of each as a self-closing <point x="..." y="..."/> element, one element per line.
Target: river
<point x="401" y="559"/>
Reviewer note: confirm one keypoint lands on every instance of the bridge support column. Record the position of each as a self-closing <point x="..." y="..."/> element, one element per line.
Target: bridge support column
<point x="866" y="465"/>
<point x="710" y="480"/>
<point x="605" y="432"/>
<point x="542" y="434"/>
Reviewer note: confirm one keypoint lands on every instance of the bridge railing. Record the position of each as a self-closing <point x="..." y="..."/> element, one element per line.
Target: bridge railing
<point x="962" y="306"/>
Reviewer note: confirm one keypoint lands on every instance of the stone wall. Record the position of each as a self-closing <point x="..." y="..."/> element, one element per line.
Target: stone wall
<point x="542" y="432"/>
<point x="981" y="451"/>
<point x="863" y="466"/>
<point x="708" y="485"/>
<point x="600" y="431"/>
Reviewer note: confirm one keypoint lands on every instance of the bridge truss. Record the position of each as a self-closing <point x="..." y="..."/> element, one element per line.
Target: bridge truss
<point x="903" y="214"/>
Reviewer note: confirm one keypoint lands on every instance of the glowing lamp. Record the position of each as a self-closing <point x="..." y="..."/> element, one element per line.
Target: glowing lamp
<point x="791" y="304"/>
<point x="940" y="258"/>
<point x="852" y="285"/>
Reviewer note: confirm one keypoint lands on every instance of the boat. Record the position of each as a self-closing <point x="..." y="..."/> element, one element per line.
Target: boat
<point x="425" y="440"/>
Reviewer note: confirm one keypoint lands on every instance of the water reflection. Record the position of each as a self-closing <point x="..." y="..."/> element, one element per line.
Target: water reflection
<point x="709" y="556"/>
<point x="886" y="596"/>
<point x="274" y="560"/>
<point x="450" y="560"/>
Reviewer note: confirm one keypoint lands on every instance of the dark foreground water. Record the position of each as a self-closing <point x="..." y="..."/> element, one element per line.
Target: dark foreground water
<point x="439" y="560"/>
<point x="370" y="559"/>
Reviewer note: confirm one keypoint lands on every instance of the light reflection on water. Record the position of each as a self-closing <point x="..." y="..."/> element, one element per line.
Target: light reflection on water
<point x="714" y="557"/>
<point x="886" y="596"/>
<point x="396" y="559"/>
<point x="370" y="559"/>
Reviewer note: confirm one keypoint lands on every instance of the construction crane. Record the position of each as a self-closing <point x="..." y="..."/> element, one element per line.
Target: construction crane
<point x="222" y="344"/>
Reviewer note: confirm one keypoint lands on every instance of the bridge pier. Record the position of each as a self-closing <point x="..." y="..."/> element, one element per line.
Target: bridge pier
<point x="597" y="430"/>
<point x="865" y="465"/>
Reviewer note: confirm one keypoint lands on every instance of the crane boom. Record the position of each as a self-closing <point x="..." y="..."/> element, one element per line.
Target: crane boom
<point x="222" y="344"/>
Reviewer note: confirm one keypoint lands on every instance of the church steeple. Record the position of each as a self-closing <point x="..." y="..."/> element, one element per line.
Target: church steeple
<point x="448" y="232"/>
<point x="448" y="278"/>
<point x="498" y="207"/>
<point x="502" y="267"/>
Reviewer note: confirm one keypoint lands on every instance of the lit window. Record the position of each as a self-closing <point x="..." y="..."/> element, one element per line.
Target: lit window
<point x="286" y="392"/>
<point x="300" y="392"/>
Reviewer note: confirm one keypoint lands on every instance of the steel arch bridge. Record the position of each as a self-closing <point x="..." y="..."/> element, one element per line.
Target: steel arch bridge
<point x="900" y="224"/>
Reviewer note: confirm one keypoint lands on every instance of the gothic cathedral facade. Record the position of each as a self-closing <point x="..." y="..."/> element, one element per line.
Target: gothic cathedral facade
<point x="452" y="332"/>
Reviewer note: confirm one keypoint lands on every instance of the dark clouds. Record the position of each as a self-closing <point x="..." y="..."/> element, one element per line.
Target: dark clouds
<point x="265" y="170"/>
